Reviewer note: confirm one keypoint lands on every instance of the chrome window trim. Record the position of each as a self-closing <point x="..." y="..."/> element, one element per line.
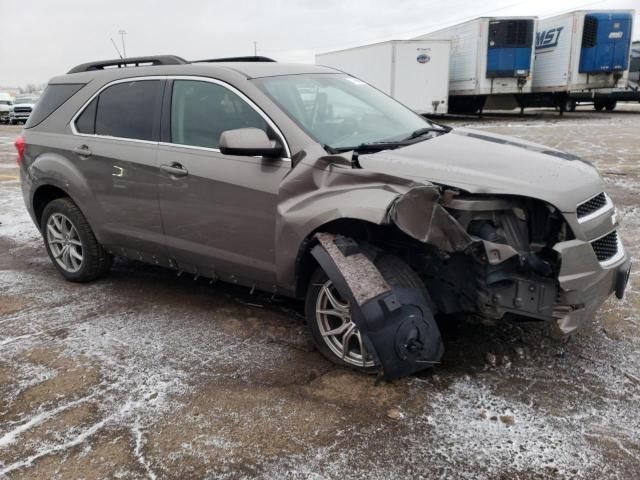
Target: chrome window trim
<point x="596" y="213"/>
<point x="215" y="150"/>
<point x="251" y="103"/>
<point x="72" y="123"/>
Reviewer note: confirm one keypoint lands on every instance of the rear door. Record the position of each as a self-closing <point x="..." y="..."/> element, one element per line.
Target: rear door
<point x="115" y="148"/>
<point x="218" y="210"/>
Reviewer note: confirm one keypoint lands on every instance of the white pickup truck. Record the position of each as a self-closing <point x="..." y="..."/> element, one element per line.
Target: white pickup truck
<point x="6" y="101"/>
<point x="21" y="109"/>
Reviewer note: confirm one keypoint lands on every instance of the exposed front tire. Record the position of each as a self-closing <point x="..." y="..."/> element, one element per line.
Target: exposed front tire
<point x="329" y="320"/>
<point x="71" y="244"/>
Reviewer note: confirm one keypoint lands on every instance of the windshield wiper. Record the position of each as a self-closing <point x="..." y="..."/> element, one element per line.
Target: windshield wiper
<point x="390" y="145"/>
<point x="370" y="147"/>
<point x="423" y="131"/>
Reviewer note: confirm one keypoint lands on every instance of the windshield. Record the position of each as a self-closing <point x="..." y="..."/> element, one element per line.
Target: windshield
<point x="5" y="102"/>
<point x="25" y="100"/>
<point x="340" y="111"/>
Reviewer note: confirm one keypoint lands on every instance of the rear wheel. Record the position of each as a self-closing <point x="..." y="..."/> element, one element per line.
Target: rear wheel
<point x="568" y="105"/>
<point x="610" y="105"/>
<point x="329" y="319"/>
<point x="598" y="105"/>
<point x="71" y="244"/>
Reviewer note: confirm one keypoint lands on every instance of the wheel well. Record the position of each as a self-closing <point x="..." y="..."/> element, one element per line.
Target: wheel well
<point x="43" y="196"/>
<point x="306" y="264"/>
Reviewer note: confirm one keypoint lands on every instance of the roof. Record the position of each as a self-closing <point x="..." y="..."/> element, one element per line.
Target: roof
<point x="245" y="69"/>
<point x="274" y="69"/>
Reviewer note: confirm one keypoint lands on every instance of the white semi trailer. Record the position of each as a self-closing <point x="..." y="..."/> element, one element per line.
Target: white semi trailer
<point x="491" y="61"/>
<point x="579" y="54"/>
<point x="414" y="72"/>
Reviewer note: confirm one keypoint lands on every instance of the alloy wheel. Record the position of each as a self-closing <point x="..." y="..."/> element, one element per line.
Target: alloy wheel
<point x="64" y="242"/>
<point x="338" y="330"/>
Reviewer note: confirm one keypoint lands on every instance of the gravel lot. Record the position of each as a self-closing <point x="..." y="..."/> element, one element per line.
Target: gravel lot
<point x="147" y="375"/>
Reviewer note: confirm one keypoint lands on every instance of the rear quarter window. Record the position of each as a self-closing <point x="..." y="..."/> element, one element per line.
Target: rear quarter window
<point x="52" y="98"/>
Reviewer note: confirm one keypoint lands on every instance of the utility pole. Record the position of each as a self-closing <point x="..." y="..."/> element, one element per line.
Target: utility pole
<point x="124" y="50"/>
<point x="255" y="49"/>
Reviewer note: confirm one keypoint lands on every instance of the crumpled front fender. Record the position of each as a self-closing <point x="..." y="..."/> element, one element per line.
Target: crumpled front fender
<point x="396" y="324"/>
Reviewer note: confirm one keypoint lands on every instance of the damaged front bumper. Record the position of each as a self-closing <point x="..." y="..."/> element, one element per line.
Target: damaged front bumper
<point x="585" y="283"/>
<point x="509" y="277"/>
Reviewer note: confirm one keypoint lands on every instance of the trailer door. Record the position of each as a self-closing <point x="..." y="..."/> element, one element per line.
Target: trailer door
<point x="421" y="76"/>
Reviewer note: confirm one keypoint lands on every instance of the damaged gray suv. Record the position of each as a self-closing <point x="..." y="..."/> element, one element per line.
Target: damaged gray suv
<point x="307" y="182"/>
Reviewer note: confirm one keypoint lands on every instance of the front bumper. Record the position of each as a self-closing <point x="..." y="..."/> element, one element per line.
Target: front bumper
<point x="585" y="283"/>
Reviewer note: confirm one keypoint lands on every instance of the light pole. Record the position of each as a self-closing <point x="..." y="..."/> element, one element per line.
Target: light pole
<point x="255" y="49"/>
<point x="124" y="50"/>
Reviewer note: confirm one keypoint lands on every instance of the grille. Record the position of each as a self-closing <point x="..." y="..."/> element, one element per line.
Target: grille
<point x="22" y="109"/>
<point x="606" y="247"/>
<point x="591" y="205"/>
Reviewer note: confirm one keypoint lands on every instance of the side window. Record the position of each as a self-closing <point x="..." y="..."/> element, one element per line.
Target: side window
<point x="201" y="111"/>
<point x="86" y="122"/>
<point x="126" y="110"/>
<point x="52" y="98"/>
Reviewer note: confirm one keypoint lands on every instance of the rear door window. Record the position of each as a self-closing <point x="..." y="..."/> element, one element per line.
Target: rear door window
<point x="124" y="110"/>
<point x="201" y="111"/>
<point x="52" y="98"/>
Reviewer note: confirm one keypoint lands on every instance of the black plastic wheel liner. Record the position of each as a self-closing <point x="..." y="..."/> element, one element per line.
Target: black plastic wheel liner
<point x="397" y="326"/>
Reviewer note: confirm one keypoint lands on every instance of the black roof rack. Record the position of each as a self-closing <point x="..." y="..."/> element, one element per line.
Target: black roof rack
<point x="129" y="62"/>
<point x="237" y="59"/>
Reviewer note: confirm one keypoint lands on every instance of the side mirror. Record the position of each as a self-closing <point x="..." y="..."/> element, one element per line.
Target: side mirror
<point x="248" y="142"/>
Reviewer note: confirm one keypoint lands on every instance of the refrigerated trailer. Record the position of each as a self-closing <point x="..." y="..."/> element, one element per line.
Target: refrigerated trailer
<point x="609" y="98"/>
<point x="579" y="53"/>
<point x="491" y="61"/>
<point x="414" y="72"/>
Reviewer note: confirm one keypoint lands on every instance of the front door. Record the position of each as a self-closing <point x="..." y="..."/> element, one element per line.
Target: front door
<point x="218" y="211"/>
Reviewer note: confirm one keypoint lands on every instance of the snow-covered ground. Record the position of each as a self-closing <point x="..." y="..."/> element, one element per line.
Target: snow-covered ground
<point x="146" y="375"/>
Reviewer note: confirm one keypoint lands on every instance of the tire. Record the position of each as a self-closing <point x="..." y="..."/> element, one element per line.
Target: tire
<point x="610" y="105"/>
<point x="598" y="106"/>
<point x="568" y="105"/>
<point x="94" y="263"/>
<point x="397" y="274"/>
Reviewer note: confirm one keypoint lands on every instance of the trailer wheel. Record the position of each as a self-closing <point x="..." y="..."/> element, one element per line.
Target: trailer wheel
<point x="610" y="105"/>
<point x="568" y="105"/>
<point x="598" y="105"/>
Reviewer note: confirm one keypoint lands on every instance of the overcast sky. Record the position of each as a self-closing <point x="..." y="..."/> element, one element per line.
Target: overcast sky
<point x="43" y="38"/>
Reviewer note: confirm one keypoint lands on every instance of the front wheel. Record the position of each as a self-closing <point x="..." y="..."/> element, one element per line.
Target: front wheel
<point x="71" y="244"/>
<point x="329" y="319"/>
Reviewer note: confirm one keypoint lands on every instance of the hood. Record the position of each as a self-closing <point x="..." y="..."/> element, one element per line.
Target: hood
<point x="480" y="162"/>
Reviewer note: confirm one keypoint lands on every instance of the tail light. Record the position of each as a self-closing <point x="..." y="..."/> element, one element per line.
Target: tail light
<point x="20" y="144"/>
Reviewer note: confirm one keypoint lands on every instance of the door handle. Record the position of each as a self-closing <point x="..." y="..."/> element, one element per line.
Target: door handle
<point x="175" y="169"/>
<point x="83" y="151"/>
